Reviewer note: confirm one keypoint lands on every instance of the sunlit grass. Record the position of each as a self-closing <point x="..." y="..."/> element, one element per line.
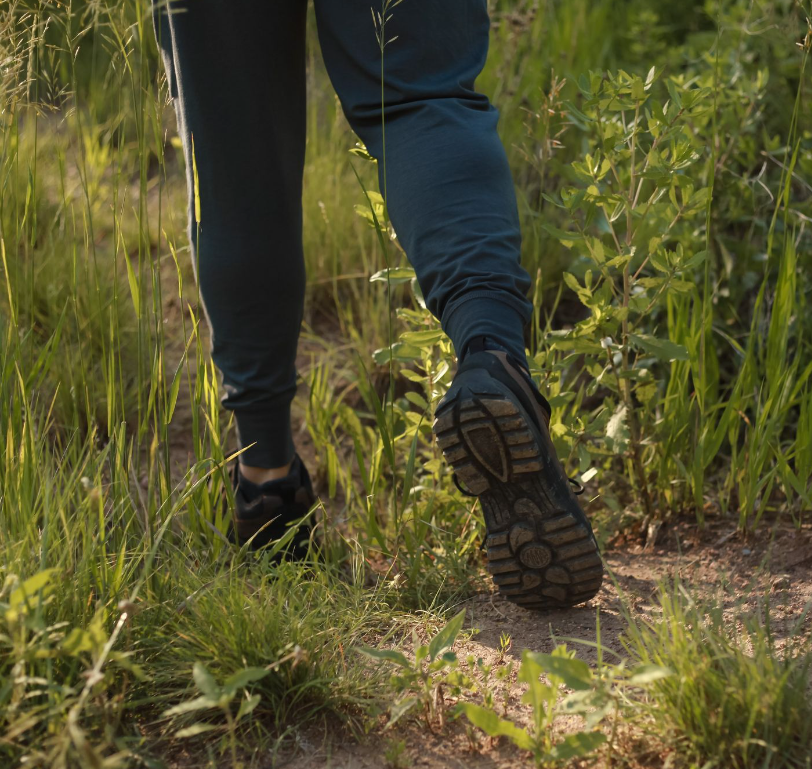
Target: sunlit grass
<point x="113" y="445"/>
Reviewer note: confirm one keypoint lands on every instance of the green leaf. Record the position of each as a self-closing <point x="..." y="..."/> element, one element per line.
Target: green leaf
<point x="694" y="262"/>
<point x="194" y="730"/>
<point x="664" y="349"/>
<point x="199" y="703"/>
<point x="400" y="709"/>
<point x="242" y="678"/>
<point x="446" y="637"/>
<point x="680" y="286"/>
<point x="247" y="706"/>
<point x="89" y="639"/>
<point x="647" y="674"/>
<point x="173" y="393"/>
<point x="566" y="238"/>
<point x="573" y="672"/>
<point x="417" y="292"/>
<point x="413" y="376"/>
<point x="393" y="275"/>
<point x="494" y="726"/>
<point x="399" y="351"/>
<point x="537" y="694"/>
<point x="418" y="400"/>
<point x="386" y="655"/>
<point x="574" y="285"/>
<point x="40" y="581"/>
<point x="577" y="745"/>
<point x="617" y="431"/>
<point x="205" y="681"/>
<point x="674" y="93"/>
<point x="135" y="291"/>
<point x="422" y="339"/>
<point x="576" y="344"/>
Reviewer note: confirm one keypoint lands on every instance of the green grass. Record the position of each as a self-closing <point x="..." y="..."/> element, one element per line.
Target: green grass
<point x="104" y="371"/>
<point x="739" y="693"/>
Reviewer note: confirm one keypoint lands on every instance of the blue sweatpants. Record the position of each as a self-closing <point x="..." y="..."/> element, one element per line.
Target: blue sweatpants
<point x="236" y="71"/>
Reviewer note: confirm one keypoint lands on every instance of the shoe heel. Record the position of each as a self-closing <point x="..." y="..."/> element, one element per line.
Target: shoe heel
<point x="486" y="440"/>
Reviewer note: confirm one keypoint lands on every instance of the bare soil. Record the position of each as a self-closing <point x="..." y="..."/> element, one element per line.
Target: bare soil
<point x="776" y="562"/>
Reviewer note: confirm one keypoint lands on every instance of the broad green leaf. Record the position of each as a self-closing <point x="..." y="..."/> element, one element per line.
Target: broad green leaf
<point x="664" y="349"/>
<point x="446" y="637"/>
<point x="413" y="376"/>
<point x="617" y="431"/>
<point x="373" y="210"/>
<point x="567" y="239"/>
<point x="417" y="292"/>
<point x="199" y="703"/>
<point x="89" y="639"/>
<point x="574" y="285"/>
<point x="40" y="581"/>
<point x="393" y="275"/>
<point x="537" y="693"/>
<point x="494" y="726"/>
<point x="680" y="286"/>
<point x="399" y="351"/>
<point x="674" y="93"/>
<point x="194" y="730"/>
<point x="575" y="344"/>
<point x="242" y="678"/>
<point x="573" y="672"/>
<point x="422" y="339"/>
<point x="418" y="400"/>
<point x="694" y="262"/>
<point x="205" y="681"/>
<point x="646" y="674"/>
<point x="577" y="745"/>
<point x="652" y="282"/>
<point x="400" y="709"/>
<point x="386" y="655"/>
<point x="247" y="706"/>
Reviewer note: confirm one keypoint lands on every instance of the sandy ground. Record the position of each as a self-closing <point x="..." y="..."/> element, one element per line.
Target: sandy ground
<point x="777" y="562"/>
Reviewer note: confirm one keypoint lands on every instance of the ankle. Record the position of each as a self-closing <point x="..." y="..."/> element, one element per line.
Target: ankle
<point x="260" y="475"/>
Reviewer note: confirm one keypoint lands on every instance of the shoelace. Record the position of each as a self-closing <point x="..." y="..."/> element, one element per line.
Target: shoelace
<point x="578" y="488"/>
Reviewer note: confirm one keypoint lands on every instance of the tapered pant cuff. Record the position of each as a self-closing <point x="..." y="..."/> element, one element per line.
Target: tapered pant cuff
<point x="266" y="436"/>
<point x="486" y="313"/>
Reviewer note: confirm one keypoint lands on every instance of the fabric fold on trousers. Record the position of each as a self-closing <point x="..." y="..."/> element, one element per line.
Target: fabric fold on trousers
<point x="237" y="77"/>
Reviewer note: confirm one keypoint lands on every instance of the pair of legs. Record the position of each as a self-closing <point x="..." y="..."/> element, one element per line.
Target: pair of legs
<point x="236" y="71"/>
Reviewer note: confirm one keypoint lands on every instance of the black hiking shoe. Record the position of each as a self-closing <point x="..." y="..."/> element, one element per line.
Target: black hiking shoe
<point x="492" y="426"/>
<point x="278" y="504"/>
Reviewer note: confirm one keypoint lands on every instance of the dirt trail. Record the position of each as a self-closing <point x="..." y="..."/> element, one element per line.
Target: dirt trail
<point x="779" y="564"/>
<point x="781" y="556"/>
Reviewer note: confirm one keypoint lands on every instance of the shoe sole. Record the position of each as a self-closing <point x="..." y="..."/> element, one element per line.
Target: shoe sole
<point x="541" y="550"/>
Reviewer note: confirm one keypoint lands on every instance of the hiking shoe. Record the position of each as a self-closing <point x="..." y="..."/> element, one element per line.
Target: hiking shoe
<point x="276" y="503"/>
<point x="493" y="428"/>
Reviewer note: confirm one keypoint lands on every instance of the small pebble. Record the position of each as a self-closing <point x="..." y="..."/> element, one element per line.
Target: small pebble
<point x="746" y="551"/>
<point x="782" y="582"/>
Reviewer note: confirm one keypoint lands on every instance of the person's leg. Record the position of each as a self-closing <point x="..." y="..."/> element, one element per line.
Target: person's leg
<point x="451" y="199"/>
<point x="448" y="185"/>
<point x="237" y="76"/>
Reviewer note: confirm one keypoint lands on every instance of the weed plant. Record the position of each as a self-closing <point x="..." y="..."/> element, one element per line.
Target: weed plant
<point x="116" y="576"/>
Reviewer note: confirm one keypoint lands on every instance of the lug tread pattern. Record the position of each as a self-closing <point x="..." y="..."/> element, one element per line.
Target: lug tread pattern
<point x="540" y="555"/>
